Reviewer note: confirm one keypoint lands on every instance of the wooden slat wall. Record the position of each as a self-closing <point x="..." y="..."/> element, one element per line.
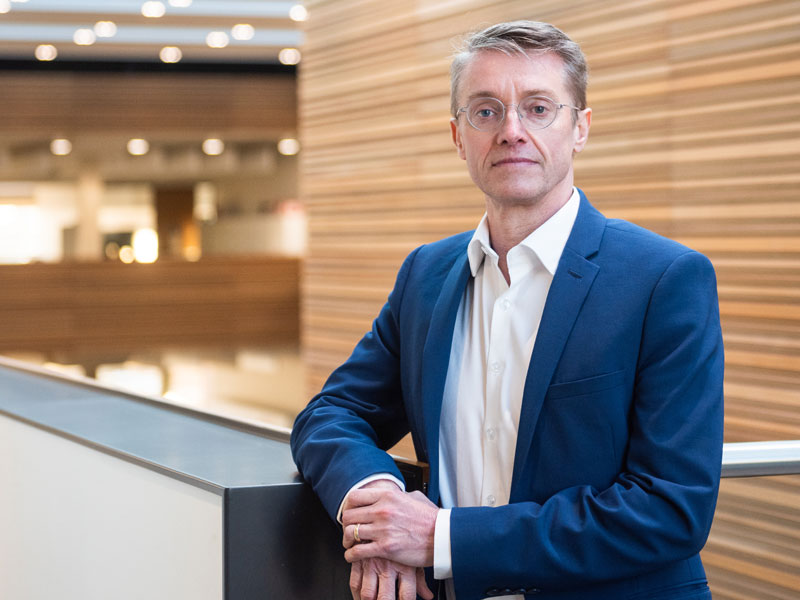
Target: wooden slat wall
<point x="88" y="311"/>
<point x="36" y="103"/>
<point x="696" y="135"/>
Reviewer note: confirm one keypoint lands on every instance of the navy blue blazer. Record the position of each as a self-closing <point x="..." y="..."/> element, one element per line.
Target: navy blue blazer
<point x="619" y="447"/>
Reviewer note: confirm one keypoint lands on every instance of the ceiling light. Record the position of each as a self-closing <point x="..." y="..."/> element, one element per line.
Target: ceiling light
<point x="45" y="52"/>
<point x="213" y="147"/>
<point x="5" y="6"/>
<point x="217" y="39"/>
<point x="60" y="147"/>
<point x="153" y="10"/>
<point x="84" y="37"/>
<point x="105" y="29"/>
<point x="243" y="32"/>
<point x="138" y="147"/>
<point x="288" y="146"/>
<point x="170" y="54"/>
<point x="180" y="3"/>
<point x="289" y="56"/>
<point x="20" y="1"/>
<point x="145" y="245"/>
<point x="298" y="13"/>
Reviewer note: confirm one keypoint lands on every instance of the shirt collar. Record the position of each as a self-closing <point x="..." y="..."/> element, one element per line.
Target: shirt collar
<point x="546" y="242"/>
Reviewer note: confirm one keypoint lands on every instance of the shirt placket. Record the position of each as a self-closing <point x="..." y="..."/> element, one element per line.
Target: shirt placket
<point x="493" y="489"/>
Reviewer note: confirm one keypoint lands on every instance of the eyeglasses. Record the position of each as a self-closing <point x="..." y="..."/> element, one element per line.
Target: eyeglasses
<point x="535" y="112"/>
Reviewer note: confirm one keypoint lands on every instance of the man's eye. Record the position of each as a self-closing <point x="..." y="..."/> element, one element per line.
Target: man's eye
<point x="485" y="113"/>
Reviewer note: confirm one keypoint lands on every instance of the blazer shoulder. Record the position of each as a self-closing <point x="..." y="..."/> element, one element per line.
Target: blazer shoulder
<point x="442" y="253"/>
<point x="640" y="241"/>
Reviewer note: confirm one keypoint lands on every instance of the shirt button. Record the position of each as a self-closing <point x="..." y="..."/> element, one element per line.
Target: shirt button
<point x="506" y="304"/>
<point x="490" y="500"/>
<point x="496" y="367"/>
<point x="491" y="433"/>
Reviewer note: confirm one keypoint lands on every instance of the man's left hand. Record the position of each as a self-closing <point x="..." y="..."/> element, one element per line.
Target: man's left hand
<point x="391" y="524"/>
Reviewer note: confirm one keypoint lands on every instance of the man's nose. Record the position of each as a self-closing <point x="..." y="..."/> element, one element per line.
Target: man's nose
<point x="512" y="129"/>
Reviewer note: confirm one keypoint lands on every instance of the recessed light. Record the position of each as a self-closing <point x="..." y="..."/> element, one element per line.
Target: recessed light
<point x="170" y="54"/>
<point x="288" y="146"/>
<point x="243" y="32"/>
<point x="45" y="52"/>
<point x="5" y="6"/>
<point x="84" y="37"/>
<point x="138" y="147"/>
<point x="213" y="146"/>
<point x="105" y="29"/>
<point x="217" y="39"/>
<point x="60" y="147"/>
<point x="298" y="13"/>
<point x="289" y="56"/>
<point x="153" y="10"/>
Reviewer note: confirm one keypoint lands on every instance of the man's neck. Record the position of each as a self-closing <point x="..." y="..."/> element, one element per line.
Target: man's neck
<point x="509" y="225"/>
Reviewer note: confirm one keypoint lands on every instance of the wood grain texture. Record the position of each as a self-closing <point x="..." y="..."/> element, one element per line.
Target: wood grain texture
<point x="102" y="309"/>
<point x="695" y="135"/>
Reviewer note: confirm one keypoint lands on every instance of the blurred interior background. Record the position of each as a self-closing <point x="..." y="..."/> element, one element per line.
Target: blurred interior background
<point x="209" y="200"/>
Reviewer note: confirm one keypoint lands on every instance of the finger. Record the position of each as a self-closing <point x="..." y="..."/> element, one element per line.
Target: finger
<point x="365" y="497"/>
<point x="364" y="514"/>
<point x="369" y="582"/>
<point x="355" y="580"/>
<point x="363" y="552"/>
<point x="422" y="585"/>
<point x="349" y="534"/>
<point x="406" y="584"/>
<point x="386" y="583"/>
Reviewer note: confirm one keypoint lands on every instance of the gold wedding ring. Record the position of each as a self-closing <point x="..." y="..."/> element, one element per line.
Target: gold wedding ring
<point x="355" y="534"/>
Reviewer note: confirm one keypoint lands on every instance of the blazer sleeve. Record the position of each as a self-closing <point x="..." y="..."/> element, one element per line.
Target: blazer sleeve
<point x="659" y="508"/>
<point x="342" y="436"/>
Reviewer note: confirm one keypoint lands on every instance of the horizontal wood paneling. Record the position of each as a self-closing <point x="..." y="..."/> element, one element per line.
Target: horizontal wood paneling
<point x="695" y="135"/>
<point x="60" y="103"/>
<point x="105" y="309"/>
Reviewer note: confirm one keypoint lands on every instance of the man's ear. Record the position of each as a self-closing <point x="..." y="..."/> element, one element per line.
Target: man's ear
<point x="457" y="138"/>
<point x="582" y="129"/>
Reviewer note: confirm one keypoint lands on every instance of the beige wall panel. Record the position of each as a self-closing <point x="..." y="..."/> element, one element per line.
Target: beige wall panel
<point x="695" y="135"/>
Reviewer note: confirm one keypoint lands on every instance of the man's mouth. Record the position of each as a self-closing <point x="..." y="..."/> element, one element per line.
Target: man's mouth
<point x="514" y="160"/>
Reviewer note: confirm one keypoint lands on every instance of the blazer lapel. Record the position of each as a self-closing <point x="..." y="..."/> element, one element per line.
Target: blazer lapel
<point x="571" y="283"/>
<point x="436" y="358"/>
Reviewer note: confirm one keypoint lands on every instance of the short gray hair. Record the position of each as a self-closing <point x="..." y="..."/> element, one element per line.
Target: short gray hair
<point x="522" y="38"/>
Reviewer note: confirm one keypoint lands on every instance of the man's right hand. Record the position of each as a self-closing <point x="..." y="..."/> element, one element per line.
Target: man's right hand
<point x="378" y="578"/>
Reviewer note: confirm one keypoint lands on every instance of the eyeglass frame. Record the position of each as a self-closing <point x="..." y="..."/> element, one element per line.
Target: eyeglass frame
<point x="522" y="120"/>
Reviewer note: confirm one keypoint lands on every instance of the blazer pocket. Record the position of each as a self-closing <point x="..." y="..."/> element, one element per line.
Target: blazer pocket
<point x="588" y="385"/>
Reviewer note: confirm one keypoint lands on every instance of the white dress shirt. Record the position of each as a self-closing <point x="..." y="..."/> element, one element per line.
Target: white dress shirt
<point x="493" y="339"/>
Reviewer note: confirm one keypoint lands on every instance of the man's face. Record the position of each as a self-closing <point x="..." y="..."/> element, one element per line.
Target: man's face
<point x="514" y="166"/>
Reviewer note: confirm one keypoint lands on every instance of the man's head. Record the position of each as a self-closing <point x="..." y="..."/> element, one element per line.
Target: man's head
<point x="521" y="38"/>
<point x="519" y="113"/>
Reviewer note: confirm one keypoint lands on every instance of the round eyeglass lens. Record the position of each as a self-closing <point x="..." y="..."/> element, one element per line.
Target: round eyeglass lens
<point x="537" y="112"/>
<point x="485" y="114"/>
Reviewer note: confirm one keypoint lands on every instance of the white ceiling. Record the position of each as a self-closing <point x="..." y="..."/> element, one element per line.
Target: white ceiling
<point x="26" y="24"/>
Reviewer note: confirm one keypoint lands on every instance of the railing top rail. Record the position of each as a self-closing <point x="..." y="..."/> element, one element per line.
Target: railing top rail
<point x="751" y="459"/>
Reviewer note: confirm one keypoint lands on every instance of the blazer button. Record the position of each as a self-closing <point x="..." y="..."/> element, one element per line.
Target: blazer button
<point x="492" y="592"/>
<point x="531" y="591"/>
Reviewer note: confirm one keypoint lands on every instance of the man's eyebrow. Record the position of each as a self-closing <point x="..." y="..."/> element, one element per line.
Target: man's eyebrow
<point x="525" y="94"/>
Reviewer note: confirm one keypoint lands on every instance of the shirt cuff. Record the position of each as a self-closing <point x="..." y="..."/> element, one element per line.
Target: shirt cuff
<point x="364" y="482"/>
<point x="442" y="558"/>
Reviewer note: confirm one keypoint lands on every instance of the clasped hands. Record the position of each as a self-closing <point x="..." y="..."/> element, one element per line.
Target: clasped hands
<point x="396" y="532"/>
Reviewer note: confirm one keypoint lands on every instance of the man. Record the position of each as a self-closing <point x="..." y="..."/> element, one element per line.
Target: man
<point x="560" y="372"/>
